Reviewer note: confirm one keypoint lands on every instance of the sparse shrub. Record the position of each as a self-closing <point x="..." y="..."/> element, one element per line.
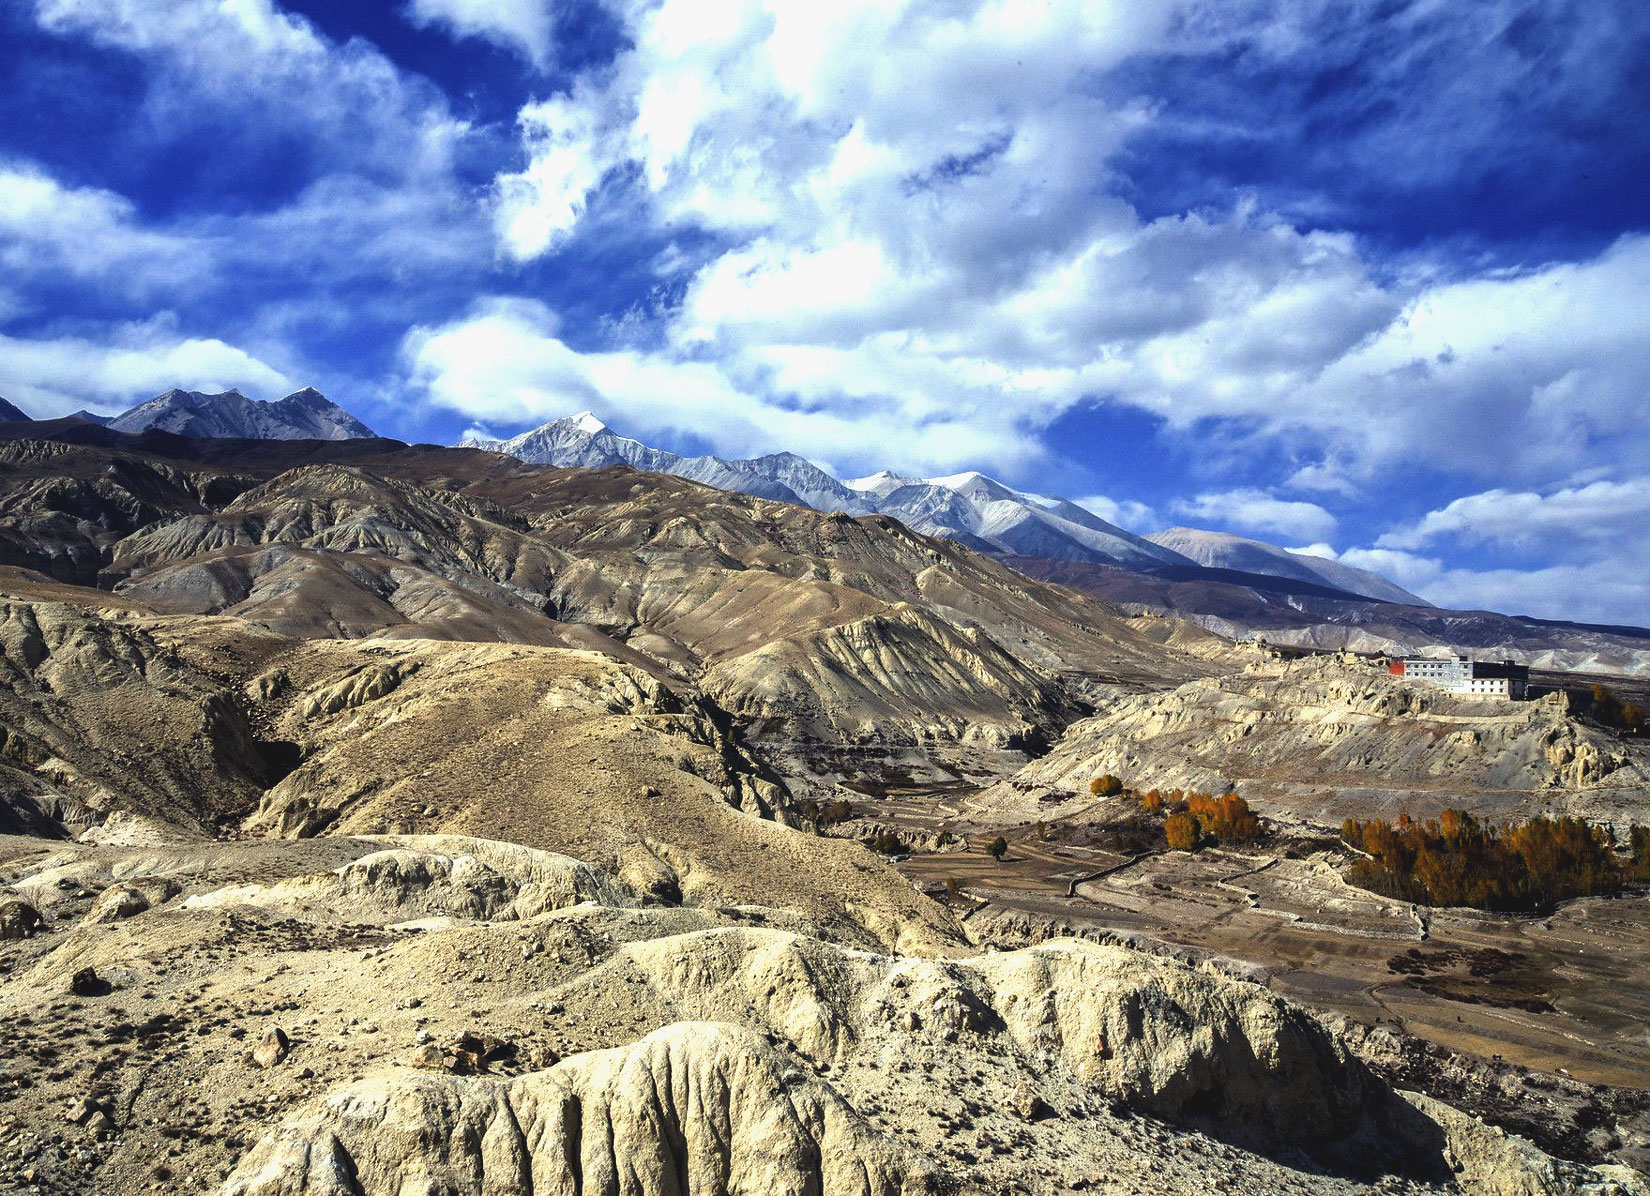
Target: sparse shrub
<point x="827" y="813"/>
<point x="1042" y="830"/>
<point x="951" y="885"/>
<point x="1181" y="832"/>
<point x="997" y="848"/>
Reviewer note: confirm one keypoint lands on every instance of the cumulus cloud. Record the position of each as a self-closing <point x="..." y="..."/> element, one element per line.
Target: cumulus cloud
<point x="346" y="211"/>
<point x="1601" y="590"/>
<point x="1558" y="521"/>
<point x="1135" y="516"/>
<point x="52" y="377"/>
<point x="1257" y="511"/>
<point x="522" y="26"/>
<point x="1574" y="552"/>
<point x="505" y="362"/>
<point x="86" y="232"/>
<point x="943" y="225"/>
<point x="339" y="105"/>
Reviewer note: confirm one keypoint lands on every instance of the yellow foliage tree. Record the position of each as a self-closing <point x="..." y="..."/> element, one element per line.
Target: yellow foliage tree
<point x="1181" y="832"/>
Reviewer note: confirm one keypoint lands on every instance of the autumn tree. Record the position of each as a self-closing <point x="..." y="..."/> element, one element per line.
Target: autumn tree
<point x="1105" y="785"/>
<point x="1181" y="832"/>
<point x="1455" y="859"/>
<point x="1226" y="818"/>
<point x="997" y="848"/>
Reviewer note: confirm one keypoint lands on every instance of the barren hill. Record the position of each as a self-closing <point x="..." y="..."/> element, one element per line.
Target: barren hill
<point x="380" y="819"/>
<point x="1325" y="738"/>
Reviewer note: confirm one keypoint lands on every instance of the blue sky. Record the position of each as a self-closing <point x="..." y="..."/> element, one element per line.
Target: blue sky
<point x="1369" y="276"/>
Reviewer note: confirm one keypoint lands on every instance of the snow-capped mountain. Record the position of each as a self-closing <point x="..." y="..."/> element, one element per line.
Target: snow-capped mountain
<point x="303" y="415"/>
<point x="968" y="507"/>
<point x="989" y="515"/>
<point x="584" y="441"/>
<point x="1219" y="550"/>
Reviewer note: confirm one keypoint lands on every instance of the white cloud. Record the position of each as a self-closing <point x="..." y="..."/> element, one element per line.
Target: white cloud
<point x="504" y="362"/>
<point x="1135" y="516"/>
<point x="1607" y="511"/>
<point x="1257" y="511"/>
<point x="346" y="104"/>
<point x="47" y="228"/>
<point x="1604" y="590"/>
<point x="939" y="227"/>
<point x="52" y="377"/>
<point x="522" y="26"/>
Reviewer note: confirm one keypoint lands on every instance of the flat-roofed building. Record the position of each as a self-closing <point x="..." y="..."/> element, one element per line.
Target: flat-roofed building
<point x="1464" y="675"/>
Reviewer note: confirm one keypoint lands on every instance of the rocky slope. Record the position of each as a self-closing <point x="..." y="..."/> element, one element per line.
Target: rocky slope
<point x="302" y="415"/>
<point x="493" y="1019"/>
<point x="685" y="581"/>
<point x="124" y="726"/>
<point x="1328" y="737"/>
<point x="1221" y="550"/>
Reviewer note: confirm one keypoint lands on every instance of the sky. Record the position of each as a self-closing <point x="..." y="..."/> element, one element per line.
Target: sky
<point x="1368" y="277"/>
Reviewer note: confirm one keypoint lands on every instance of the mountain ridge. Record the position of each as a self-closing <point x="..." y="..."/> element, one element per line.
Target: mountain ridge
<point x="304" y="414"/>
<point x="1223" y="550"/>
<point x="970" y="507"/>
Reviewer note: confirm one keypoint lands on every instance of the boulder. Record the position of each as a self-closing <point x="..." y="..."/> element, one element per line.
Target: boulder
<point x="87" y="983"/>
<point x="19" y="920"/>
<point x="272" y="1049"/>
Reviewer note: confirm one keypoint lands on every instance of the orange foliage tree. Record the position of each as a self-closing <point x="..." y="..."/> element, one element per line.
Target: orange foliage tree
<point x="1181" y="832"/>
<point x="1455" y="859"/>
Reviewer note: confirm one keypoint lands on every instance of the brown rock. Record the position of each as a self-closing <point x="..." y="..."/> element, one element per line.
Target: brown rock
<point x="87" y="983"/>
<point x="1028" y="1106"/>
<point x="430" y="1057"/>
<point x="19" y="920"/>
<point x="273" y="1049"/>
<point x="83" y="1110"/>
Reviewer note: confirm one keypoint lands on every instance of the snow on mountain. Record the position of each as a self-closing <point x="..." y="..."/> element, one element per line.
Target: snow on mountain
<point x="302" y="415"/>
<point x="881" y="484"/>
<point x="1220" y="550"/>
<point x="969" y="507"/>
<point x="577" y="441"/>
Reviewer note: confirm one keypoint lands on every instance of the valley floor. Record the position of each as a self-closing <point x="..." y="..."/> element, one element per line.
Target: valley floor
<point x="1561" y="995"/>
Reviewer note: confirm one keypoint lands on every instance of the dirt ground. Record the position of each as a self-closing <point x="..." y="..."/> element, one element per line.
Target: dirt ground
<point x="1563" y="994"/>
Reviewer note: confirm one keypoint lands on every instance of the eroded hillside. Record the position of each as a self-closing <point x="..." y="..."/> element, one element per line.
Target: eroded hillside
<point x="1326" y="737"/>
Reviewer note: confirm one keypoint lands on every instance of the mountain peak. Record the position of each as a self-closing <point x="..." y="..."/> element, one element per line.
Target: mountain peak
<point x="1225" y="550"/>
<point x="586" y="421"/>
<point x="304" y="414"/>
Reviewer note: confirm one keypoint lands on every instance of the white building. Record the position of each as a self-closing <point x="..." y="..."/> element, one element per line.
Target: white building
<point x="1464" y="675"/>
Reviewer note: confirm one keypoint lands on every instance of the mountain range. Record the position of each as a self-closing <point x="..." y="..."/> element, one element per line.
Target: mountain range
<point x="1235" y="586"/>
<point x="380" y="817"/>
<point x="304" y="414"/>
<point x="968" y="507"/>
